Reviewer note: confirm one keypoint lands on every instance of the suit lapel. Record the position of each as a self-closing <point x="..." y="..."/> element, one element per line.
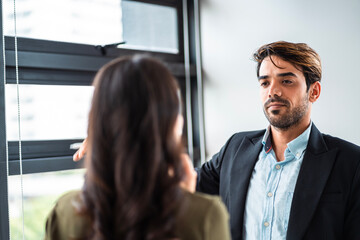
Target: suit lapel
<point x="313" y="175"/>
<point x="242" y="167"/>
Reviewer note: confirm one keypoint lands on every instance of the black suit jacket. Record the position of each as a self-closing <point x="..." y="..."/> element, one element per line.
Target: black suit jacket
<point x="326" y="201"/>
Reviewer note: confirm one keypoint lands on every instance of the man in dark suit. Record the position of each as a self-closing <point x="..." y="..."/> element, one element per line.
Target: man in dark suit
<point x="288" y="181"/>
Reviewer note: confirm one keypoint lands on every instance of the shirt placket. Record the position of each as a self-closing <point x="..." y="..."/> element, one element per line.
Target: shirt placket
<point x="271" y="187"/>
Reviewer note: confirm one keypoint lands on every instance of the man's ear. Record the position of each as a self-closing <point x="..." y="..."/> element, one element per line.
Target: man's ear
<point x="314" y="91"/>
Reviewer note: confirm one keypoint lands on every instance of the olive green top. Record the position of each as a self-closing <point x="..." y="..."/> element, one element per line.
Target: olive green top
<point x="204" y="217"/>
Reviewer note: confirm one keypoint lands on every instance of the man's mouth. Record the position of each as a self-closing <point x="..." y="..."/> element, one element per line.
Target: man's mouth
<point x="275" y="105"/>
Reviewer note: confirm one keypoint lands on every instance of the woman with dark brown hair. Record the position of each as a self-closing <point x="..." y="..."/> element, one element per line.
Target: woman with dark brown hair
<point x="135" y="166"/>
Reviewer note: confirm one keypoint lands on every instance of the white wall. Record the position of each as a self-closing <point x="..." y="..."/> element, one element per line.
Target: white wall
<point x="231" y="30"/>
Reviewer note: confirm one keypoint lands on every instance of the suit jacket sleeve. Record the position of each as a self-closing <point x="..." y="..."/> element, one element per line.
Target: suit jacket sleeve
<point x="208" y="179"/>
<point x="351" y="226"/>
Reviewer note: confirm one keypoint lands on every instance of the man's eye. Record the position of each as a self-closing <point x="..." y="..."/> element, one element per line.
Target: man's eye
<point x="264" y="84"/>
<point x="287" y="81"/>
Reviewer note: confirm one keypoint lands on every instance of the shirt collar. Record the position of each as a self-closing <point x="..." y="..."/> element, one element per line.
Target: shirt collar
<point x="295" y="147"/>
<point x="267" y="140"/>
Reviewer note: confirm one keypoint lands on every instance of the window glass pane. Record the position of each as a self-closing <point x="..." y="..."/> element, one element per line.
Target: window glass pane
<point x="150" y="27"/>
<point x="40" y="191"/>
<point x="48" y="112"/>
<point x="140" y="25"/>
<point x="95" y="22"/>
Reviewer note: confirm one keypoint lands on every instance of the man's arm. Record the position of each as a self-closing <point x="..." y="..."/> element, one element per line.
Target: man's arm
<point x="351" y="225"/>
<point x="208" y="175"/>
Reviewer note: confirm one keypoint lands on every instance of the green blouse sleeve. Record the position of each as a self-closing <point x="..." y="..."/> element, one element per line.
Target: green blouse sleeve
<point x="217" y="222"/>
<point x="64" y="222"/>
<point x="50" y="227"/>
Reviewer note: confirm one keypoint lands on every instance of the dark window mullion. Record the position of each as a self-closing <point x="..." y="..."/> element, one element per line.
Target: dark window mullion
<point x="41" y="149"/>
<point x="169" y="3"/>
<point x="64" y="69"/>
<point x="39" y="165"/>
<point x="48" y="46"/>
<point x="4" y="203"/>
<point x="41" y="76"/>
<point x="55" y="61"/>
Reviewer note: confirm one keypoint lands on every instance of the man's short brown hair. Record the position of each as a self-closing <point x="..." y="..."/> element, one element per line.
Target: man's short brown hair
<point x="298" y="54"/>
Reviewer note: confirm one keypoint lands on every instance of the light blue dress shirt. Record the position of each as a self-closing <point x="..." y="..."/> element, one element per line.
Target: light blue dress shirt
<point x="271" y="189"/>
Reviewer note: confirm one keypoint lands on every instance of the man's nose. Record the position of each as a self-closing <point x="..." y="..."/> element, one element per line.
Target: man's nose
<point x="274" y="90"/>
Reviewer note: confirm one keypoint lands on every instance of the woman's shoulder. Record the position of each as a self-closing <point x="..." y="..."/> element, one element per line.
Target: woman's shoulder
<point x="68" y="198"/>
<point x="204" y="206"/>
<point x="203" y="201"/>
<point x="65" y="220"/>
<point x="204" y="217"/>
<point x="69" y="206"/>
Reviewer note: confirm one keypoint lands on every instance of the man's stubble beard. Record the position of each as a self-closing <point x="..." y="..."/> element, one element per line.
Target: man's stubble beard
<point x="289" y="118"/>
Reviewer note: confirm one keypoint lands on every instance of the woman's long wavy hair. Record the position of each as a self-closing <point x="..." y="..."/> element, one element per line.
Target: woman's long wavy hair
<point x="131" y="189"/>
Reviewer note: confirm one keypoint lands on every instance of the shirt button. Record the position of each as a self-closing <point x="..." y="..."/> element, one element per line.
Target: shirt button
<point x="277" y="167"/>
<point x="269" y="194"/>
<point x="266" y="224"/>
<point x="298" y="155"/>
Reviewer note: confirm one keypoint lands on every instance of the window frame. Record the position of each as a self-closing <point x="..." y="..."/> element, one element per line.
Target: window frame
<point x="46" y="62"/>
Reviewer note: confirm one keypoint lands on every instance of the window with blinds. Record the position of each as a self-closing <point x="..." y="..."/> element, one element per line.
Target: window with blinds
<point x="48" y="64"/>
